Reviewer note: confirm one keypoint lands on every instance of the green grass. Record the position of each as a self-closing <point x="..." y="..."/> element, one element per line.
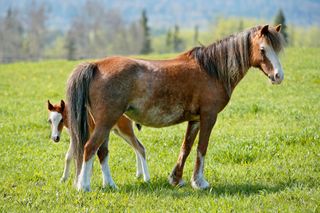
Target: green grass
<point x="264" y="152"/>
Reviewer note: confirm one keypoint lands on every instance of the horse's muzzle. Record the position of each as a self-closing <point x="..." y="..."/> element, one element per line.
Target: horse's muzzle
<point x="55" y="138"/>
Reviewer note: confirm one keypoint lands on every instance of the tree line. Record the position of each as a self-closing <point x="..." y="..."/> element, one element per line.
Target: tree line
<point x="100" y="32"/>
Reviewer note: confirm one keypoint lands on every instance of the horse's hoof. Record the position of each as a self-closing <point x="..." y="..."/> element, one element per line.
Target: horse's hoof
<point x="175" y="182"/>
<point x="200" y="184"/>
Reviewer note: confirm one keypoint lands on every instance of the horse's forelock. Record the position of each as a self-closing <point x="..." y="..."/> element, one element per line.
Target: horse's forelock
<point x="276" y="40"/>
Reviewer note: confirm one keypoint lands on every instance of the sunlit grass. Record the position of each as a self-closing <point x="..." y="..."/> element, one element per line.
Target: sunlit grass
<point x="264" y="152"/>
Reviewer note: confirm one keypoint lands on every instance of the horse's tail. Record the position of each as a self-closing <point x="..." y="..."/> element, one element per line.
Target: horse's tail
<point x="78" y="104"/>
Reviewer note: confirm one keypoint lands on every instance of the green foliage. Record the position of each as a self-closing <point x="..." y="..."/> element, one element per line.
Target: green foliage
<point x="146" y="40"/>
<point x="263" y="153"/>
<point x="280" y="19"/>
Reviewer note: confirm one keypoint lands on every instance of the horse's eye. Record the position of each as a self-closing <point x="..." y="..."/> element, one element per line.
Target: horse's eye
<point x="262" y="51"/>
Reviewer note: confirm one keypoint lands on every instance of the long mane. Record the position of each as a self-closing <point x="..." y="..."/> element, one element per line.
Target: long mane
<point x="228" y="59"/>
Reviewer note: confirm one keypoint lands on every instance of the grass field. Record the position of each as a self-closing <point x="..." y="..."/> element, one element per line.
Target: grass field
<point x="263" y="156"/>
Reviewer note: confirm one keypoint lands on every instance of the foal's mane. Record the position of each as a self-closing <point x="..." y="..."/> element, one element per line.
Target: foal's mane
<point x="228" y="59"/>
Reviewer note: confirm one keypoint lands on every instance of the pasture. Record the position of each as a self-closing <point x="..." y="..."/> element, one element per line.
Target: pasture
<point x="263" y="155"/>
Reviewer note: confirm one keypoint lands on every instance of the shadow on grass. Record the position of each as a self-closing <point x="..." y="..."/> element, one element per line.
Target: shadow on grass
<point x="161" y="187"/>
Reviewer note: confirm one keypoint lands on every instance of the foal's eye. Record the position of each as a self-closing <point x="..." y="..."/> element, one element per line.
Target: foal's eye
<point x="262" y="51"/>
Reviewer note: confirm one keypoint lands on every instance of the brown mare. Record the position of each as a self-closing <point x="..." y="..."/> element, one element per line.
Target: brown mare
<point x="195" y="86"/>
<point x="58" y="118"/>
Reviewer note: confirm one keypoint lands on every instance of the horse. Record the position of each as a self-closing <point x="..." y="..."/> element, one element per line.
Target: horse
<point x="193" y="87"/>
<point x="58" y="119"/>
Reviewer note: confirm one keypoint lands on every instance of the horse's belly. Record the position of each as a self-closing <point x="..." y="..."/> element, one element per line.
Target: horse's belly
<point x="157" y="116"/>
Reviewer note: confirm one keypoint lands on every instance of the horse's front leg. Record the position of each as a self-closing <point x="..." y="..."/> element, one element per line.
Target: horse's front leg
<point x="207" y="121"/>
<point x="68" y="158"/>
<point x="175" y="177"/>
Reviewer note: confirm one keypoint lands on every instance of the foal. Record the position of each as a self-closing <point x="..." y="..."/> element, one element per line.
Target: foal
<point x="58" y="118"/>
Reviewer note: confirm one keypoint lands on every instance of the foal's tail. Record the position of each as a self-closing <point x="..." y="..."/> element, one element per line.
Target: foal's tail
<point x="78" y="104"/>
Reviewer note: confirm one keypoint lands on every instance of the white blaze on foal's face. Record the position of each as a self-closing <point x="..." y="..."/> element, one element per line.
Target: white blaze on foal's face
<point x="56" y="121"/>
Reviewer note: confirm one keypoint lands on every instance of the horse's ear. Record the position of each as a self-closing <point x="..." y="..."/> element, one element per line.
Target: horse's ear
<point x="50" y="107"/>
<point x="278" y="27"/>
<point x="264" y="30"/>
<point x="62" y="105"/>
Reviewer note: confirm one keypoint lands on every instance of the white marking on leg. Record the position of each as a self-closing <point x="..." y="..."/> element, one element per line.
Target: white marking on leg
<point x="198" y="181"/>
<point x="143" y="163"/>
<point x="106" y="175"/>
<point x="85" y="174"/>
<point x="139" y="171"/>
<point x="68" y="159"/>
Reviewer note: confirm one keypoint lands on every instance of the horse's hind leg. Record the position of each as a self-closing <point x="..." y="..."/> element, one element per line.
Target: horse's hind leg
<point x="103" y="158"/>
<point x="100" y="135"/>
<point x="175" y="177"/>
<point x="124" y="129"/>
<point x="68" y="158"/>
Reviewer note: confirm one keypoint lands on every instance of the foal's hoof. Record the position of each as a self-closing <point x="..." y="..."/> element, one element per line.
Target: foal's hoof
<point x="200" y="183"/>
<point x="83" y="188"/>
<point x="63" y="179"/>
<point x="139" y="175"/>
<point x="174" y="182"/>
<point x="110" y="185"/>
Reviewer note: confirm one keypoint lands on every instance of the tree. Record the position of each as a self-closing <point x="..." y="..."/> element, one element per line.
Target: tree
<point x="36" y="31"/>
<point x="196" y="35"/>
<point x="11" y="34"/>
<point x="280" y="19"/>
<point x="178" y="44"/>
<point x="169" y="41"/>
<point x="146" y="43"/>
<point x="70" y="45"/>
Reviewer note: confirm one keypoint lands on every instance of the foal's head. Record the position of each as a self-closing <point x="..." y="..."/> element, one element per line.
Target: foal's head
<point x="266" y="44"/>
<point x="56" y="119"/>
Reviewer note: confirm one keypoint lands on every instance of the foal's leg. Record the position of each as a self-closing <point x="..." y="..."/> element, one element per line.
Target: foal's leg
<point x="207" y="122"/>
<point x="69" y="156"/>
<point x="125" y="130"/>
<point x="103" y="158"/>
<point x="175" y="177"/>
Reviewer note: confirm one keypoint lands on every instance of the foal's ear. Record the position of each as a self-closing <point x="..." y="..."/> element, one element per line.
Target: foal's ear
<point x="278" y="27"/>
<point x="264" y="30"/>
<point x="50" y="107"/>
<point x="62" y="105"/>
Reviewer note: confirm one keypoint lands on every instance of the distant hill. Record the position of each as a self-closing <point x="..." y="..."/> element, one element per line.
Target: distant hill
<point x="165" y="13"/>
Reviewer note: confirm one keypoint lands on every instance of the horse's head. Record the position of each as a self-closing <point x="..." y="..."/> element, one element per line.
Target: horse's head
<point x="56" y="119"/>
<point x="266" y="45"/>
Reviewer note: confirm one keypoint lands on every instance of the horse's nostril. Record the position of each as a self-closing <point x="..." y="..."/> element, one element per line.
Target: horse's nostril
<point x="277" y="76"/>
